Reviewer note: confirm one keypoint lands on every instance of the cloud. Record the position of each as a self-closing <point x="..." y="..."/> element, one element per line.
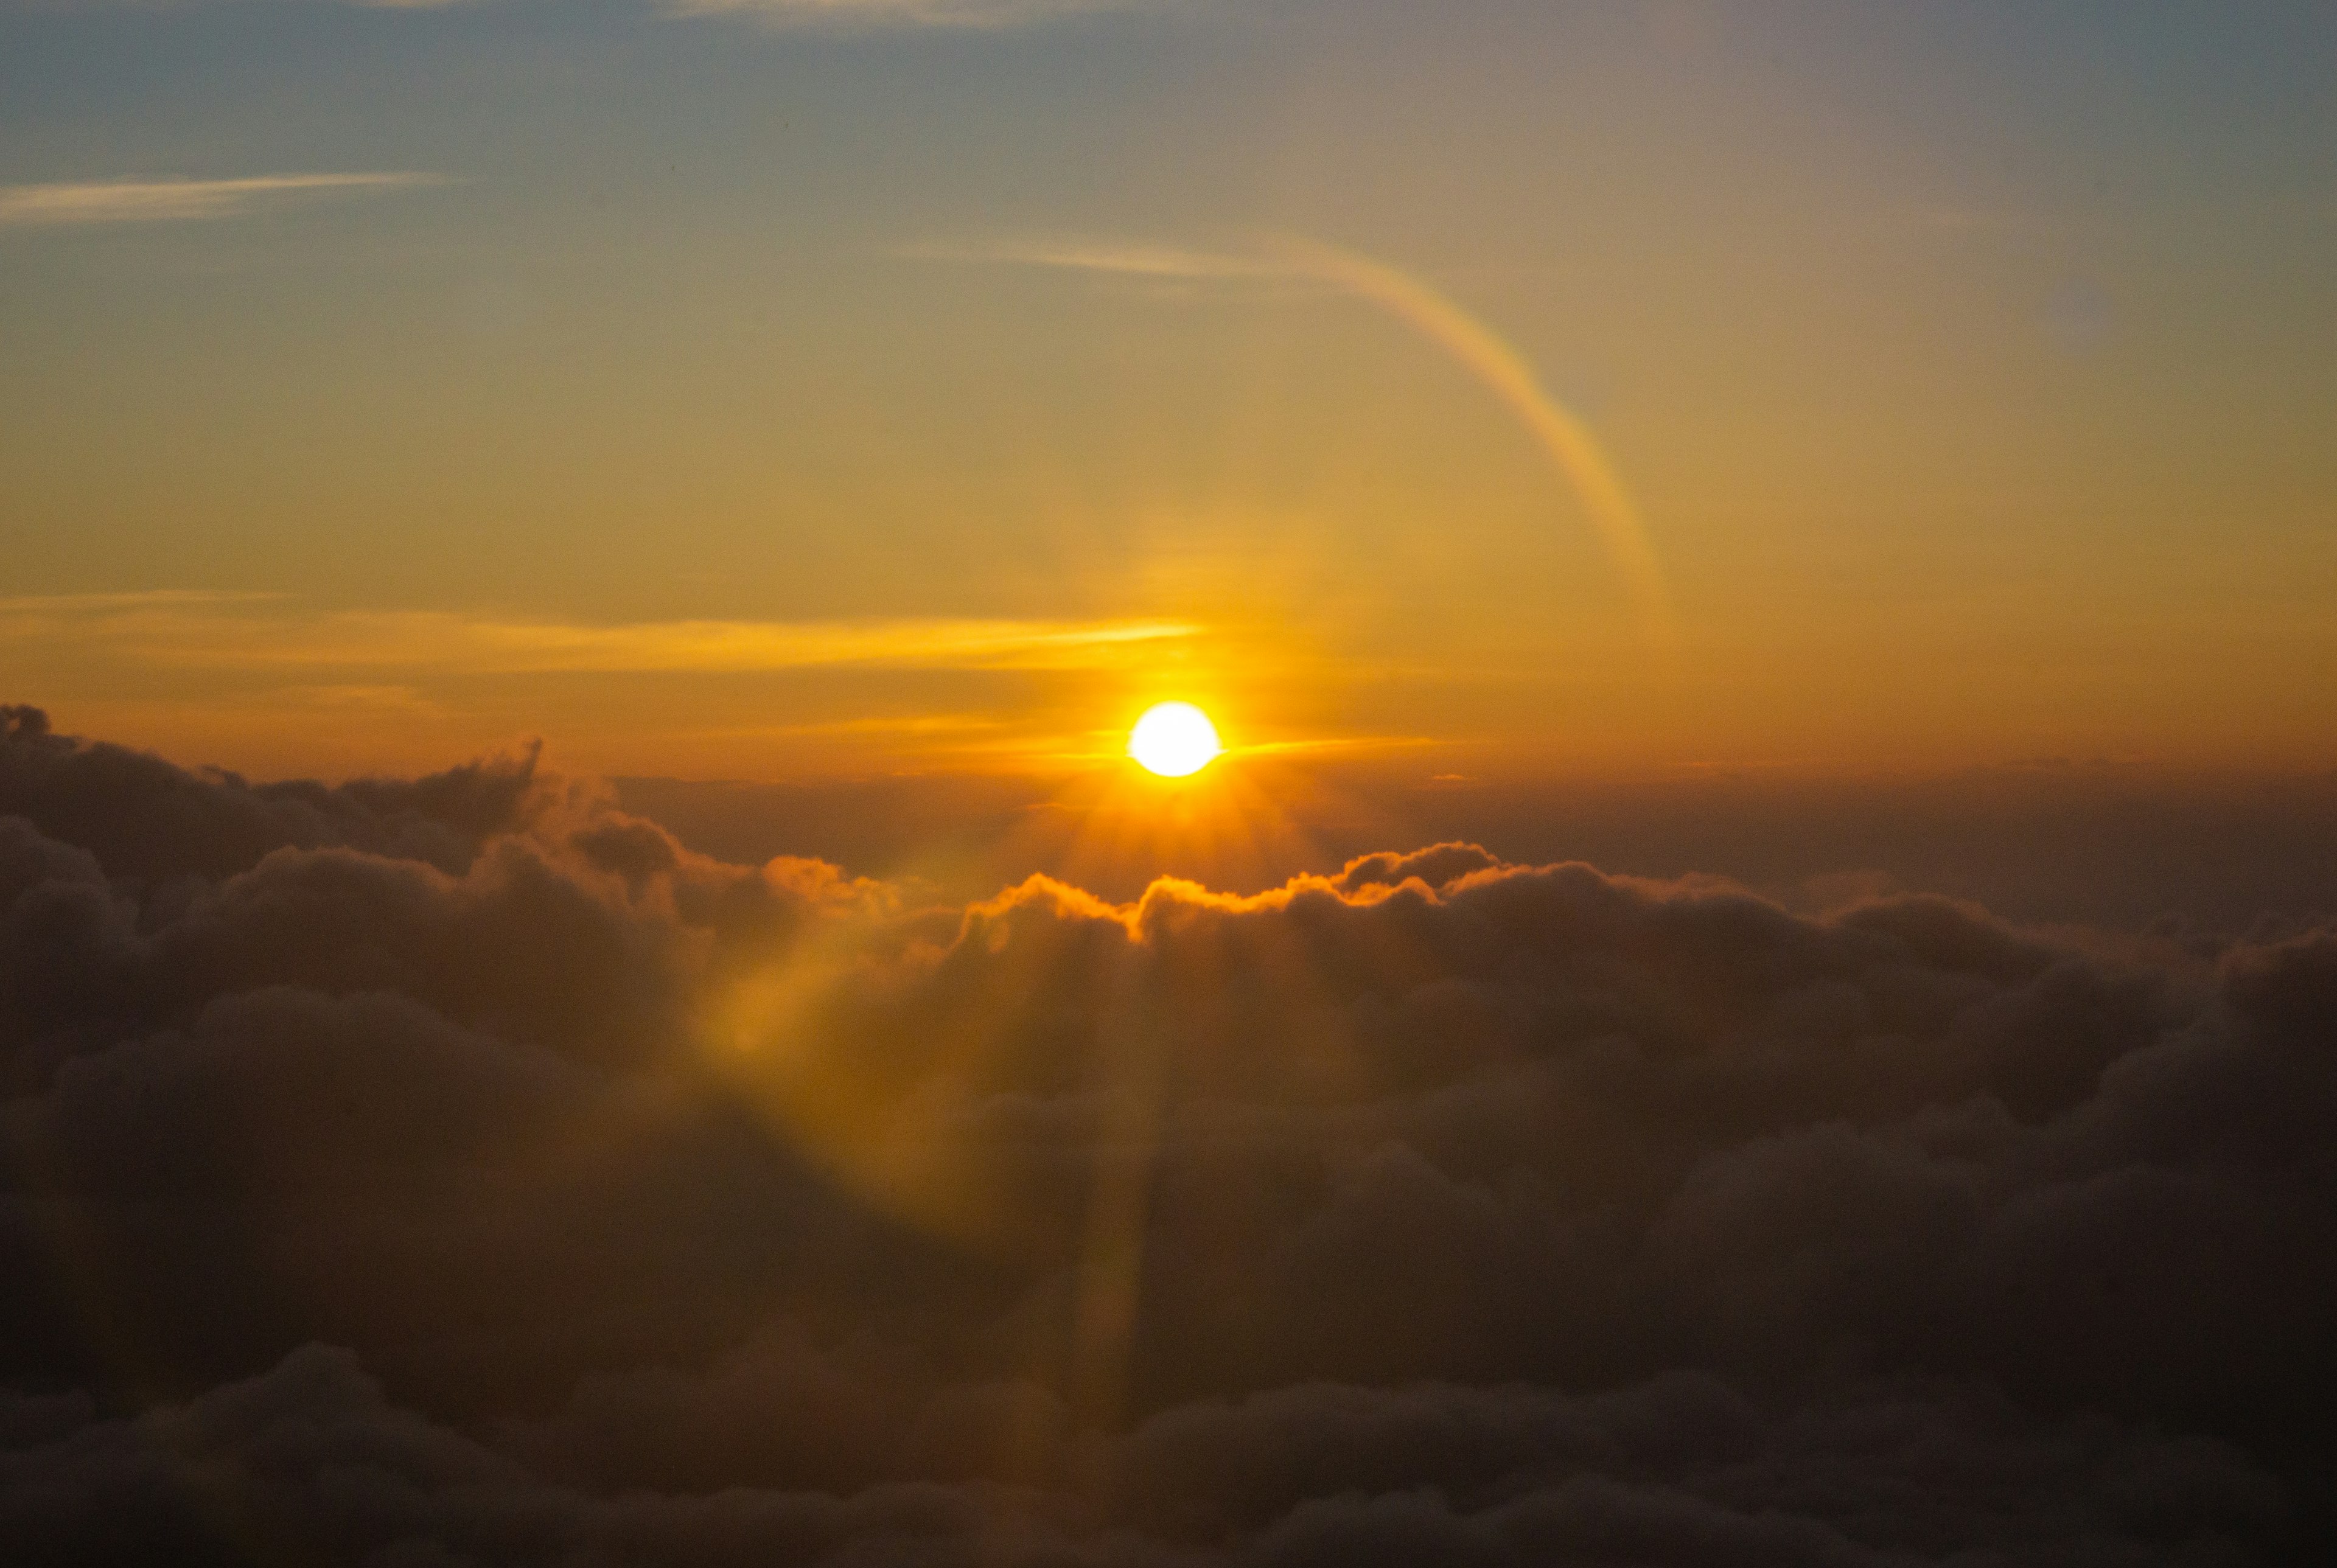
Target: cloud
<point x="141" y="598"/>
<point x="174" y="199"/>
<point x="1121" y="257"/>
<point x="1682" y="1470"/>
<point x="210" y="630"/>
<point x="948" y="13"/>
<point x="852" y="14"/>
<point x="461" y="1170"/>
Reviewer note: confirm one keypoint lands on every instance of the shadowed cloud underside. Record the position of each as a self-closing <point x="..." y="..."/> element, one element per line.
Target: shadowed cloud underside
<point x="1439" y="1210"/>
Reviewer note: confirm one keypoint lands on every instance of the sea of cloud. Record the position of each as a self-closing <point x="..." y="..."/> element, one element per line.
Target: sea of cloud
<point x="460" y="1171"/>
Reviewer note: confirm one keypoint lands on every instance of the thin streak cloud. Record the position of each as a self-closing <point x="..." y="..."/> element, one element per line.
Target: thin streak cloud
<point x="135" y="598"/>
<point x="71" y="203"/>
<point x="959" y="14"/>
<point x="1121" y="257"/>
<point x="194" y="633"/>
<point x="761" y="645"/>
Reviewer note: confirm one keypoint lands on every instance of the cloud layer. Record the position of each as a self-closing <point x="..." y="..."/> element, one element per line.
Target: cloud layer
<point x="456" y="1170"/>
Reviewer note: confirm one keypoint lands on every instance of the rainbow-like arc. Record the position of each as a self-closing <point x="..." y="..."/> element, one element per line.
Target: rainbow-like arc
<point x="1481" y="351"/>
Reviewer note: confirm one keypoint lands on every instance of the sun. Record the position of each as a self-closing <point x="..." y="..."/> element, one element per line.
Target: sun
<point x="1174" y="739"/>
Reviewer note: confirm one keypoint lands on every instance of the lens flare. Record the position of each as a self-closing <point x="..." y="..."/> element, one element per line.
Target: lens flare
<point x="1174" y="739"/>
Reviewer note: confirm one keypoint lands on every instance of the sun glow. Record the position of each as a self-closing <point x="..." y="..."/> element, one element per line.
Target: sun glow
<point x="1174" y="739"/>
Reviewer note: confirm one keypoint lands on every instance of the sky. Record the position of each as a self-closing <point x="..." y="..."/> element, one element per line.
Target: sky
<point x="766" y="392"/>
<point x="588" y="974"/>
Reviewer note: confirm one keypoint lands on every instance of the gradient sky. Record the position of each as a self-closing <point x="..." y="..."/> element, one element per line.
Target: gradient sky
<point x="790" y="390"/>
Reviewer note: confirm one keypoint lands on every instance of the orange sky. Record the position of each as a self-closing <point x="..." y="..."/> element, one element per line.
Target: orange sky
<point x="1561" y="394"/>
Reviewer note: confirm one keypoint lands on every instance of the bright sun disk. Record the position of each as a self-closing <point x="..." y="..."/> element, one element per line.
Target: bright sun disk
<point x="1174" y="739"/>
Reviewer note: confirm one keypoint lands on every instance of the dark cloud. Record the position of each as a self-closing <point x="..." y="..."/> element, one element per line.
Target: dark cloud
<point x="2092" y="843"/>
<point x="147" y="821"/>
<point x="462" y="1172"/>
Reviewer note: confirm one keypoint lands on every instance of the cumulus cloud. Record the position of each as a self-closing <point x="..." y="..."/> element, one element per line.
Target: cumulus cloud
<point x="459" y="1170"/>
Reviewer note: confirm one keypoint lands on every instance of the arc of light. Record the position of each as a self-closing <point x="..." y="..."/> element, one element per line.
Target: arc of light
<point x="1567" y="441"/>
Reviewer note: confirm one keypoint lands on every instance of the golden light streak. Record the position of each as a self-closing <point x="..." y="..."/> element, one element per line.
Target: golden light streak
<point x="193" y="629"/>
<point x="878" y="1040"/>
<point x="744" y="645"/>
<point x="1132" y="1066"/>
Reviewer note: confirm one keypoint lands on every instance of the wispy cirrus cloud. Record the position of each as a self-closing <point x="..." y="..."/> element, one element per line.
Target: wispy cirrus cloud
<point x="959" y="14"/>
<point x="133" y="599"/>
<point x="170" y="200"/>
<point x="962" y="14"/>
<point x="1125" y="258"/>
